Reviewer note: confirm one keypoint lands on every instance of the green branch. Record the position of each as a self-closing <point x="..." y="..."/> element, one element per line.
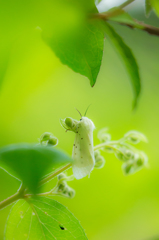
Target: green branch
<point x="18" y="195"/>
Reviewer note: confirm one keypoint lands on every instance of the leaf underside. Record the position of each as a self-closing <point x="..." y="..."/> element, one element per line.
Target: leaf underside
<point x="128" y="59"/>
<point x="42" y="219"/>
<point x="29" y="163"/>
<point x="81" y="50"/>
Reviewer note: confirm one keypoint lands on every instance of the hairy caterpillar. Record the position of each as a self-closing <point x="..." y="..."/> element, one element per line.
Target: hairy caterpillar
<point x="83" y="153"/>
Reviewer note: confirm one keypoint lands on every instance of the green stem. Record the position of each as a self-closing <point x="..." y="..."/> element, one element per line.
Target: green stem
<point x="50" y="177"/>
<point x="13" y="198"/>
<point x="123" y="5"/>
<point x="21" y="193"/>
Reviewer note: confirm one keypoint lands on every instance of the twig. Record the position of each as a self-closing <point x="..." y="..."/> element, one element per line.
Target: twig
<point x="50" y="177"/>
<point x="13" y="198"/>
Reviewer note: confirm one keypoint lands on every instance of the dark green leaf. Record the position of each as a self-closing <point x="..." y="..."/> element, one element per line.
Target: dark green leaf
<point x="81" y="49"/>
<point x="29" y="163"/>
<point x="148" y="7"/>
<point x="128" y="59"/>
<point x="42" y="219"/>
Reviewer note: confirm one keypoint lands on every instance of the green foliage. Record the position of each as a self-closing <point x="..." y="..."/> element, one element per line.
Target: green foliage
<point x="155" y="6"/>
<point x="42" y="218"/>
<point x="148" y="7"/>
<point x="128" y="59"/>
<point x="29" y="163"/>
<point x="124" y="18"/>
<point x="81" y="49"/>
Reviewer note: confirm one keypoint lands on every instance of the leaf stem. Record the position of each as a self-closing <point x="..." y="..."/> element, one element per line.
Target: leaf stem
<point x="21" y="193"/>
<point x="13" y="198"/>
<point x="123" y="5"/>
<point x="105" y="16"/>
<point x="51" y="176"/>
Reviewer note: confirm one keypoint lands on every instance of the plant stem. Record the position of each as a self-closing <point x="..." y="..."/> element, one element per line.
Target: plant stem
<point x="50" y="177"/>
<point x="21" y="193"/>
<point x="123" y="5"/>
<point x="13" y="198"/>
<point x="118" y="11"/>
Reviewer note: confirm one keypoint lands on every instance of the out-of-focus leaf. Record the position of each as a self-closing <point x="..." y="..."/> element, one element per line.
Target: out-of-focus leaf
<point x="155" y="5"/>
<point x="128" y="59"/>
<point x="29" y="163"/>
<point x="42" y="219"/>
<point x="148" y="7"/>
<point x="124" y="18"/>
<point x="19" y="17"/>
<point x="80" y="49"/>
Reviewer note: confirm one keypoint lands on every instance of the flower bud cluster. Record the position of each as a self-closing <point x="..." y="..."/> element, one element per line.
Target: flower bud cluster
<point x="62" y="187"/>
<point x="48" y="139"/>
<point x="99" y="160"/>
<point x="133" y="159"/>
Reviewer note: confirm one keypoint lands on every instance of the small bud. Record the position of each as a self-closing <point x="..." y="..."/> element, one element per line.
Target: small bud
<point x="53" y="141"/>
<point x="69" y="122"/>
<point x="61" y="175"/>
<point x="71" y="192"/>
<point x="96" y="153"/>
<point x="99" y="162"/>
<point x="127" y="168"/>
<point x="103" y="136"/>
<point x="45" y="137"/>
<point x="119" y="154"/>
<point x="135" y="137"/>
<point x="129" y="154"/>
<point x="62" y="187"/>
<point x="108" y="149"/>
<point x="141" y="159"/>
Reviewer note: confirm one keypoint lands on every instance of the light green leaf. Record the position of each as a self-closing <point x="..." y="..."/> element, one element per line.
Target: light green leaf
<point x="148" y="7"/>
<point x="81" y="49"/>
<point x="42" y="219"/>
<point x="128" y="59"/>
<point x="29" y="163"/>
<point x="155" y="5"/>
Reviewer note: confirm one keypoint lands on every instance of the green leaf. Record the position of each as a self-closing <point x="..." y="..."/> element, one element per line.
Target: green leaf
<point x="155" y="5"/>
<point x="81" y="49"/>
<point x="124" y="18"/>
<point x="128" y="59"/>
<point x="29" y="163"/>
<point x="42" y="219"/>
<point x="148" y="7"/>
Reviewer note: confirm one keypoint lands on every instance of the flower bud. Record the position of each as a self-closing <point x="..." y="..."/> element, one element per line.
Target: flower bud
<point x="135" y="137"/>
<point x="45" y="137"/>
<point x="53" y="141"/>
<point x="119" y="155"/>
<point x="129" y="154"/>
<point x="99" y="162"/>
<point x="71" y="192"/>
<point x="108" y="149"/>
<point x="69" y="122"/>
<point x="103" y="136"/>
<point x="128" y="167"/>
<point x="61" y="175"/>
<point x="96" y="153"/>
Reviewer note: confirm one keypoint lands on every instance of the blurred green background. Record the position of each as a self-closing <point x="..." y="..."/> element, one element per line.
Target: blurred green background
<point x="37" y="90"/>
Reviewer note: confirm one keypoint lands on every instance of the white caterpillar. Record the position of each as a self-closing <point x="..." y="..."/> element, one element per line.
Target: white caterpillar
<point x="83" y="153"/>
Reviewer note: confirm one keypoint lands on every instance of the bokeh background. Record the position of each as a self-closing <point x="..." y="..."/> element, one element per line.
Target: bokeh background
<point x="37" y="90"/>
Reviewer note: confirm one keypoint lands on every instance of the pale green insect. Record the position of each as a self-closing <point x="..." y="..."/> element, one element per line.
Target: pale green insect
<point x="83" y="153"/>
